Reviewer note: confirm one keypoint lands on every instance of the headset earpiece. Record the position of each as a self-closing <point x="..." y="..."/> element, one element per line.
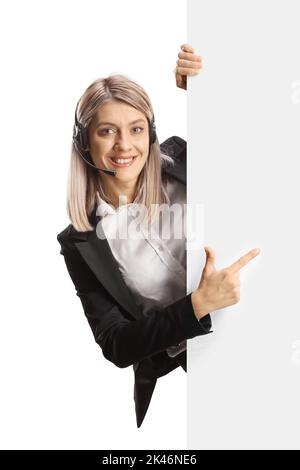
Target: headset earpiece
<point x="80" y="135"/>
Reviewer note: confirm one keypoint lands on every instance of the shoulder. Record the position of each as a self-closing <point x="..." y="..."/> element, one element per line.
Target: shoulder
<point x="64" y="238"/>
<point x="68" y="236"/>
<point x="174" y="146"/>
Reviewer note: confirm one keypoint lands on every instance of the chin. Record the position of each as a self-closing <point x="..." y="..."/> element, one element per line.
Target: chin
<point x="126" y="176"/>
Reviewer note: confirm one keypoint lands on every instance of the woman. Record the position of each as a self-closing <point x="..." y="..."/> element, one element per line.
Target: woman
<point x="133" y="288"/>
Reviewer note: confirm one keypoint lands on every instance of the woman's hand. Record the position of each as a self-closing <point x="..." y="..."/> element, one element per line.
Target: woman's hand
<point x="219" y="289"/>
<point x="188" y="64"/>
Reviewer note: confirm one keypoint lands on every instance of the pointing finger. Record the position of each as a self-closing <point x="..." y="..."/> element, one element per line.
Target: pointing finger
<point x="243" y="260"/>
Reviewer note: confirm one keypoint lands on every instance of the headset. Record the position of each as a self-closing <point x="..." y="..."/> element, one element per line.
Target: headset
<point x="80" y="141"/>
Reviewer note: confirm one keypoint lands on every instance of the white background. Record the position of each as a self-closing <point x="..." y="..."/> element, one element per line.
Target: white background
<point x="243" y="166"/>
<point x="57" y="390"/>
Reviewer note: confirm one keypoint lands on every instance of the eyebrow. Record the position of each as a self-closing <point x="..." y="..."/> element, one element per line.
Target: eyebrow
<point x="112" y="124"/>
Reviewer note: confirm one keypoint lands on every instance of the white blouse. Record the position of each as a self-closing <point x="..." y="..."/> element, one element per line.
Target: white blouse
<point x="152" y="260"/>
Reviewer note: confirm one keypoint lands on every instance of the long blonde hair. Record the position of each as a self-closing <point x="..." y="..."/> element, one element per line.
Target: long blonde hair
<point x="84" y="183"/>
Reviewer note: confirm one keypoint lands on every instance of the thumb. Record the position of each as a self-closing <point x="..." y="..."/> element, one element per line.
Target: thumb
<point x="210" y="260"/>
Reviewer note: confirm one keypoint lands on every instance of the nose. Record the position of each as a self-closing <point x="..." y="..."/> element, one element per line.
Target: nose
<point x="122" y="141"/>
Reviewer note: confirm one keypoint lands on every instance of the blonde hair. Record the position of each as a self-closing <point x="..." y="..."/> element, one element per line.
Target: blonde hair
<point x="84" y="183"/>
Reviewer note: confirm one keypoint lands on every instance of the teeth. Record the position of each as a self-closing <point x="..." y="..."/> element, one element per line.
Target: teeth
<point x="122" y="160"/>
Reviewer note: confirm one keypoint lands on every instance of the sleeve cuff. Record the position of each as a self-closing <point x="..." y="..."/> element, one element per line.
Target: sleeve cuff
<point x="202" y="326"/>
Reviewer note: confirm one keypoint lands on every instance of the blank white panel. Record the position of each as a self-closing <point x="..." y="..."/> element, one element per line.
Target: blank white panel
<point x="243" y="166"/>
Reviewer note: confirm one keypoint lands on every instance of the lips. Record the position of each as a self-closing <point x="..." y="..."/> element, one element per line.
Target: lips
<point x="123" y="161"/>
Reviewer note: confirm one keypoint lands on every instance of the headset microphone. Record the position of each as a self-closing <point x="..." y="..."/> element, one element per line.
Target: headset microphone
<point x="80" y="141"/>
<point x="106" y="170"/>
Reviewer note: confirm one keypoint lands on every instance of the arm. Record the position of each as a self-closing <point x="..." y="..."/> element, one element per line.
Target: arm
<point x="124" y="341"/>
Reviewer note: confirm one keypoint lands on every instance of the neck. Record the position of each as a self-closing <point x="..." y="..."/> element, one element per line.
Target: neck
<point x="115" y="189"/>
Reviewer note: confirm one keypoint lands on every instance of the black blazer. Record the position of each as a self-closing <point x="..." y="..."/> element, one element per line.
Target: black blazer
<point x="125" y="335"/>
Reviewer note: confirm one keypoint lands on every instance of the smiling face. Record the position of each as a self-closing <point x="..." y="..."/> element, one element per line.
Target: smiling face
<point x="119" y="139"/>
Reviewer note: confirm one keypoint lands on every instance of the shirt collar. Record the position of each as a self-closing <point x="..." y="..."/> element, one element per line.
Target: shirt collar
<point x="104" y="209"/>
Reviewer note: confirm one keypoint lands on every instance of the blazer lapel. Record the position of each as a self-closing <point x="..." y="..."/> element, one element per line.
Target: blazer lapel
<point x="98" y="255"/>
<point x="96" y="251"/>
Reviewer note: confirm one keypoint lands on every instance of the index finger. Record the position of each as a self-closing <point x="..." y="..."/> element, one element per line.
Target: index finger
<point x="243" y="260"/>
